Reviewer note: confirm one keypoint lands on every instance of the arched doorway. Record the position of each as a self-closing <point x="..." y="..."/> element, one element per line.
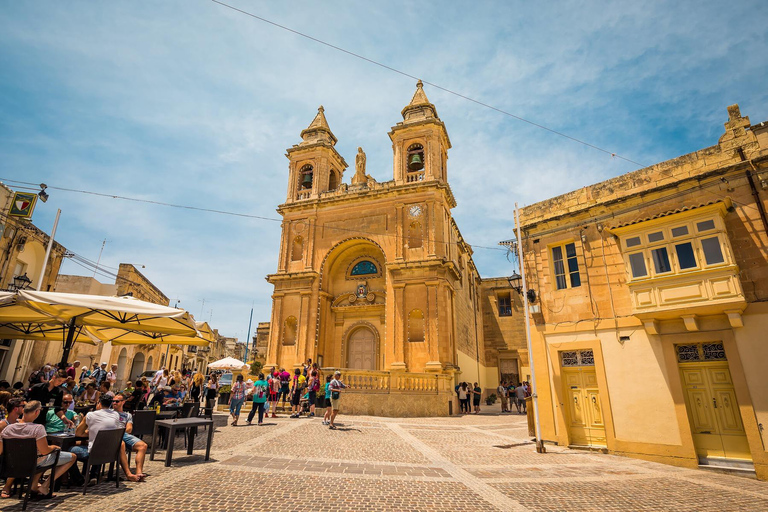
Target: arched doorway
<point x="361" y="349"/>
<point x="137" y="367"/>
<point x="122" y="362"/>
<point x="149" y="365"/>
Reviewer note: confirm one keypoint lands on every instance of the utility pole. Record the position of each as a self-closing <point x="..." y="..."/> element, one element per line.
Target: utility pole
<point x="539" y="443"/>
<point x="248" y="336"/>
<point x="48" y="251"/>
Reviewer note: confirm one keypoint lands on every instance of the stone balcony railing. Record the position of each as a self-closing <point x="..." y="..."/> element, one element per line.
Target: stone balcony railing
<point x="304" y="194"/>
<point x="371" y="381"/>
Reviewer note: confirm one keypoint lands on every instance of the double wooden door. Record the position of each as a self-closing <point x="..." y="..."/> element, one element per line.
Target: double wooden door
<point x="361" y="350"/>
<point x="585" y="414"/>
<point x="714" y="411"/>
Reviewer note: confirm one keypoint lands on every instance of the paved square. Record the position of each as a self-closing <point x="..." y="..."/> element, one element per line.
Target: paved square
<point x="462" y="463"/>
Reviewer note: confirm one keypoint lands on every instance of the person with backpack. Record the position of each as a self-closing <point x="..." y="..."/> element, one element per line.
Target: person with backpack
<point x="327" y="415"/>
<point x="314" y="387"/>
<point x="335" y="387"/>
<point x="299" y="383"/>
<point x="260" y="393"/>
<point x="285" y="385"/>
<point x="274" y="392"/>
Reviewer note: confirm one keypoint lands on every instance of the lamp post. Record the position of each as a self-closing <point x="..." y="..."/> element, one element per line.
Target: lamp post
<point x="21" y="282"/>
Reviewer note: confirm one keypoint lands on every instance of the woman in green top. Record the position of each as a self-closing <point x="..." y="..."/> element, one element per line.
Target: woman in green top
<point x="260" y="394"/>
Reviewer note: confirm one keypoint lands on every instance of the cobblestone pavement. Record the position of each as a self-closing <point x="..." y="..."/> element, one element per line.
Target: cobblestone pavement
<point x="463" y="463"/>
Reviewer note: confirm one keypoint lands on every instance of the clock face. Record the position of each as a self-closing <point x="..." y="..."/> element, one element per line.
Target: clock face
<point x="415" y="210"/>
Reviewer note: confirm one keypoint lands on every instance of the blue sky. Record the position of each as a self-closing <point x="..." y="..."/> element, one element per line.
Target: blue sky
<point x="189" y="102"/>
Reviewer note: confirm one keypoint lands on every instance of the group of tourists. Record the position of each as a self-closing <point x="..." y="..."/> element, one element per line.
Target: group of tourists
<point x="511" y="394"/>
<point x="304" y="390"/>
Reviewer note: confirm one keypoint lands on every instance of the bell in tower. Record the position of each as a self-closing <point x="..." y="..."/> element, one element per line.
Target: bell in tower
<point x="315" y="165"/>
<point x="420" y="142"/>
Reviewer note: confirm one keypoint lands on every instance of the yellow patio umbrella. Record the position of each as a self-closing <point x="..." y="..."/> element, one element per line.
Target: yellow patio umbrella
<point x="44" y="332"/>
<point x="72" y="312"/>
<point x="202" y="337"/>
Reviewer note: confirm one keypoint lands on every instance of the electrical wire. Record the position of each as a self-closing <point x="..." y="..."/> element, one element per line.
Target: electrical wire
<point x="250" y="216"/>
<point x="436" y="86"/>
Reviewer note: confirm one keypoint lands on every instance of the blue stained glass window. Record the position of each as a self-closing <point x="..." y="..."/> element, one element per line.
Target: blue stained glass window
<point x="364" y="268"/>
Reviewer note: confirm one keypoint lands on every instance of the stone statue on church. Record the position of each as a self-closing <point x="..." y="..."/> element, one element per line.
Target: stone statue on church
<point x="360" y="176"/>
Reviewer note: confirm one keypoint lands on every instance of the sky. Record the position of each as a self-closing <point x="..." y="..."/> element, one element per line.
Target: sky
<point x="191" y="103"/>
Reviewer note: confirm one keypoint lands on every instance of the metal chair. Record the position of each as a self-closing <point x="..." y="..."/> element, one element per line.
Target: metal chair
<point x="207" y="411"/>
<point x="19" y="461"/>
<point x="186" y="407"/>
<point x="105" y="450"/>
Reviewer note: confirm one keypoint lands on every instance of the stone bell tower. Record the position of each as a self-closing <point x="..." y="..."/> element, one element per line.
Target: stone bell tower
<point x="315" y="165"/>
<point x="420" y="142"/>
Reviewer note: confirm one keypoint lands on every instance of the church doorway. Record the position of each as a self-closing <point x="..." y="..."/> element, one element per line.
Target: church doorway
<point x="361" y="349"/>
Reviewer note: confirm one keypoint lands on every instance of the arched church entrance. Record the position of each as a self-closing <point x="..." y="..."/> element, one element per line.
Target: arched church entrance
<point x="361" y="349"/>
<point x="137" y="367"/>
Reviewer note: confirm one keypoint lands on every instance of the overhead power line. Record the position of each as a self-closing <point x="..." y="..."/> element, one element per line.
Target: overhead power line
<point x="248" y="215"/>
<point x="436" y="86"/>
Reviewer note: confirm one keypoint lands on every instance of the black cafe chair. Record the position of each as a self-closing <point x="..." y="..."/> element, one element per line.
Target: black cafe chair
<point x="19" y="461"/>
<point x="143" y="425"/>
<point x="105" y="450"/>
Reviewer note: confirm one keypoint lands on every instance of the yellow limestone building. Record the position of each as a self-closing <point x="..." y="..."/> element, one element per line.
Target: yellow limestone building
<point x="377" y="279"/>
<point x="650" y="328"/>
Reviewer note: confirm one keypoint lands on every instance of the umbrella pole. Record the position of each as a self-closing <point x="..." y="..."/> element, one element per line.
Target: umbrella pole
<point x="68" y="343"/>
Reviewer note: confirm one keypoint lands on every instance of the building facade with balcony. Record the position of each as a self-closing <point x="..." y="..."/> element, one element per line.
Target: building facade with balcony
<point x="649" y="330"/>
<point x="376" y="277"/>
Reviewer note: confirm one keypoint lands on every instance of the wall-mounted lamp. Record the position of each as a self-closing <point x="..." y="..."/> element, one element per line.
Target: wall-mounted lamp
<point x="516" y="283"/>
<point x="21" y="282"/>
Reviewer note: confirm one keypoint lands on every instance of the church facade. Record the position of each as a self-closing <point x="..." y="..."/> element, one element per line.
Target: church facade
<point x="375" y="276"/>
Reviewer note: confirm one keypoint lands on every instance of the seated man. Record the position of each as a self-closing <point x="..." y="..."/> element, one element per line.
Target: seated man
<point x="15" y="411"/>
<point x="103" y="418"/>
<point x="104" y="388"/>
<point x="131" y="441"/>
<point x="167" y="397"/>
<point x="27" y="428"/>
<point x="55" y="424"/>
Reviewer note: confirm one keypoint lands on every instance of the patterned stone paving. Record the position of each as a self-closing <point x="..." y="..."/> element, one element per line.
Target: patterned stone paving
<point x="463" y="463"/>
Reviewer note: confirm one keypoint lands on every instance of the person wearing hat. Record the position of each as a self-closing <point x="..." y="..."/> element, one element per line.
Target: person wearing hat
<point x="85" y="373"/>
<point x="336" y="387"/>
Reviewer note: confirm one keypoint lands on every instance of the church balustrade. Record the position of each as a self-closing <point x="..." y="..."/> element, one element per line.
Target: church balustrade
<point x="370" y="381"/>
<point x="414" y="176"/>
<point x="303" y="195"/>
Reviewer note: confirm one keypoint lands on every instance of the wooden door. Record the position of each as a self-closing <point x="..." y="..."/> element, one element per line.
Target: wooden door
<point x="713" y="411"/>
<point x="362" y="350"/>
<point x="585" y="415"/>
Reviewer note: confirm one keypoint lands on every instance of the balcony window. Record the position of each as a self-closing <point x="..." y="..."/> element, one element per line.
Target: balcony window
<point x="685" y="257"/>
<point x="713" y="253"/>
<point x="661" y="260"/>
<point x="637" y="264"/>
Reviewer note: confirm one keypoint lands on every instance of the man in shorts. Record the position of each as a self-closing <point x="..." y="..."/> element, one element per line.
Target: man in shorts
<point x="285" y="386"/>
<point x="299" y="383"/>
<point x="502" y="390"/>
<point x="335" y="387"/>
<point x="132" y="442"/>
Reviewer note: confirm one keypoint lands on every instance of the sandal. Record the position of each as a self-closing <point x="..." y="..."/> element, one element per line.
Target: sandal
<point x="5" y="495"/>
<point x="38" y="496"/>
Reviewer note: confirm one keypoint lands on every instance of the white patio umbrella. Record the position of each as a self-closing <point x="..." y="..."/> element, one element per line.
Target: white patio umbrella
<point x="75" y="311"/>
<point x="228" y="363"/>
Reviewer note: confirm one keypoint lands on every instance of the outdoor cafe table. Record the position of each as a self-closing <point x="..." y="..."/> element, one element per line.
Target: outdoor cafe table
<point x="84" y="409"/>
<point x="183" y="423"/>
<point x="63" y="439"/>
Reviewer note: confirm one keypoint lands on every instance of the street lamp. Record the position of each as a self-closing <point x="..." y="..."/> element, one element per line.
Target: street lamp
<point x="21" y="282"/>
<point x="516" y="283"/>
